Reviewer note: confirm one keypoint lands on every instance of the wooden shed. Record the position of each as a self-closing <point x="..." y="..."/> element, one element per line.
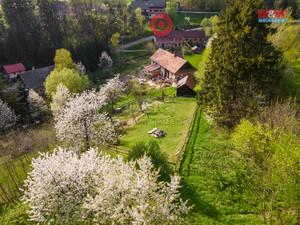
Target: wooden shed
<point x="185" y="87"/>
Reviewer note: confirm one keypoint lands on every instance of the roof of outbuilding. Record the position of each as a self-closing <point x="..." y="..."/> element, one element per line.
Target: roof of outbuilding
<point x="188" y="81"/>
<point x="181" y="34"/>
<point x="34" y="79"/>
<point x="14" y="68"/>
<point x="168" y="60"/>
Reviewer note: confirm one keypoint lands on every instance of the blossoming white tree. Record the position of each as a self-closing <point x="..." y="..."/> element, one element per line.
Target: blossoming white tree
<point x="7" y="117"/>
<point x="65" y="188"/>
<point x="81" y="123"/>
<point x="105" y="60"/>
<point x="113" y="90"/>
<point x="81" y="68"/>
<point x="36" y="102"/>
<point x="59" y="99"/>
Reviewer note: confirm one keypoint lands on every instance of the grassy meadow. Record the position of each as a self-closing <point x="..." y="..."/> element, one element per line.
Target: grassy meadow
<point x="193" y="59"/>
<point x="206" y="167"/>
<point x="173" y="116"/>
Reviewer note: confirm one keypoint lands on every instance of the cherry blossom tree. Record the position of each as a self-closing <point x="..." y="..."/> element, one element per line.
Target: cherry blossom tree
<point x="36" y="102"/>
<point x="81" y="68"/>
<point x="105" y="60"/>
<point x="81" y="123"/>
<point x="37" y="105"/>
<point x="7" y="117"/>
<point x="65" y="188"/>
<point x="59" y="99"/>
<point x="113" y="90"/>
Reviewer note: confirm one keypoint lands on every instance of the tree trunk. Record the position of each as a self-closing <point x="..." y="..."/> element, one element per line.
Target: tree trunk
<point x="87" y="138"/>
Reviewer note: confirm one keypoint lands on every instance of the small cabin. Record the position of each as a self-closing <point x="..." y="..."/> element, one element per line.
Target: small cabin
<point x="185" y="87"/>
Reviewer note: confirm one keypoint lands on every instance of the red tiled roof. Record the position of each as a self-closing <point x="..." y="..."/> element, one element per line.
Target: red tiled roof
<point x="14" y="68"/>
<point x="179" y="34"/>
<point x="168" y="60"/>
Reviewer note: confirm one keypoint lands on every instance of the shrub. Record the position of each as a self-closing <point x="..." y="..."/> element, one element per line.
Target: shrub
<point x="282" y="115"/>
<point x="152" y="150"/>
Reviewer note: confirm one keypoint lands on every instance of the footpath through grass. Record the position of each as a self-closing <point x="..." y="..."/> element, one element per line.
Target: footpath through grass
<point x="207" y="172"/>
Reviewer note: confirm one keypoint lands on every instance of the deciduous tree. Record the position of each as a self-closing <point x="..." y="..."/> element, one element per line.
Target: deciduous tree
<point x="63" y="59"/>
<point x="59" y="99"/>
<point x="82" y="124"/>
<point x="113" y="90"/>
<point x="7" y="117"/>
<point x="65" y="188"/>
<point x="70" y="78"/>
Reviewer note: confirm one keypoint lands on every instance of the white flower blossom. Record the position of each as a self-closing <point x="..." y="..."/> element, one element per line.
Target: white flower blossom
<point x="81" y="123"/>
<point x="113" y="90"/>
<point x="64" y="188"/>
<point x="105" y="60"/>
<point x="80" y="68"/>
<point x="59" y="99"/>
<point x="7" y="117"/>
<point x="36" y="102"/>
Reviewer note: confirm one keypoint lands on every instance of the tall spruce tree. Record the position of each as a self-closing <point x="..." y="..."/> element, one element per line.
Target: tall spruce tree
<point x="243" y="68"/>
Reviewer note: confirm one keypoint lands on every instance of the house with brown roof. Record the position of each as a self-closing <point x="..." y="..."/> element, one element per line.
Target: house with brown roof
<point x="185" y="87"/>
<point x="179" y="38"/>
<point x="13" y="70"/>
<point x="168" y="66"/>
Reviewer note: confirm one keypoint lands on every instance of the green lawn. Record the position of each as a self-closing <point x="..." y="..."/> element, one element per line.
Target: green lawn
<point x="290" y="84"/>
<point x="173" y="117"/>
<point x="193" y="59"/>
<point x="195" y="19"/>
<point x="126" y="63"/>
<point x="207" y="171"/>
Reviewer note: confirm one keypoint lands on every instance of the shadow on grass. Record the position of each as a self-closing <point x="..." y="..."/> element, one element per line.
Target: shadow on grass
<point x="190" y="193"/>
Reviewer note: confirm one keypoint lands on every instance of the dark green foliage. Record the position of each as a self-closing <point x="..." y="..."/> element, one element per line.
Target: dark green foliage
<point x="152" y="150"/>
<point x="24" y="31"/>
<point x="51" y="23"/>
<point x="243" y="69"/>
<point x="17" y="100"/>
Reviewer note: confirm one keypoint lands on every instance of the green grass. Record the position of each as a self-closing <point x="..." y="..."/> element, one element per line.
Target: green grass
<point x="289" y="85"/>
<point x="126" y="63"/>
<point x="195" y="19"/>
<point x="208" y="171"/>
<point x="13" y="173"/>
<point x="173" y="117"/>
<point x="193" y="59"/>
<point x="296" y="67"/>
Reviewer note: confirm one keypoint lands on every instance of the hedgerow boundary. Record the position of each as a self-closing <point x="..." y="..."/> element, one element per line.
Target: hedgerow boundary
<point x="187" y="157"/>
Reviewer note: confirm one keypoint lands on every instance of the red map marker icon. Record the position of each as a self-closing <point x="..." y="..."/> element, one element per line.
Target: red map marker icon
<point x="161" y="24"/>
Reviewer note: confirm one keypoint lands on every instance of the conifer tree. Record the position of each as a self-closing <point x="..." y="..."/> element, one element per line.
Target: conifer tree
<point x="243" y="68"/>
